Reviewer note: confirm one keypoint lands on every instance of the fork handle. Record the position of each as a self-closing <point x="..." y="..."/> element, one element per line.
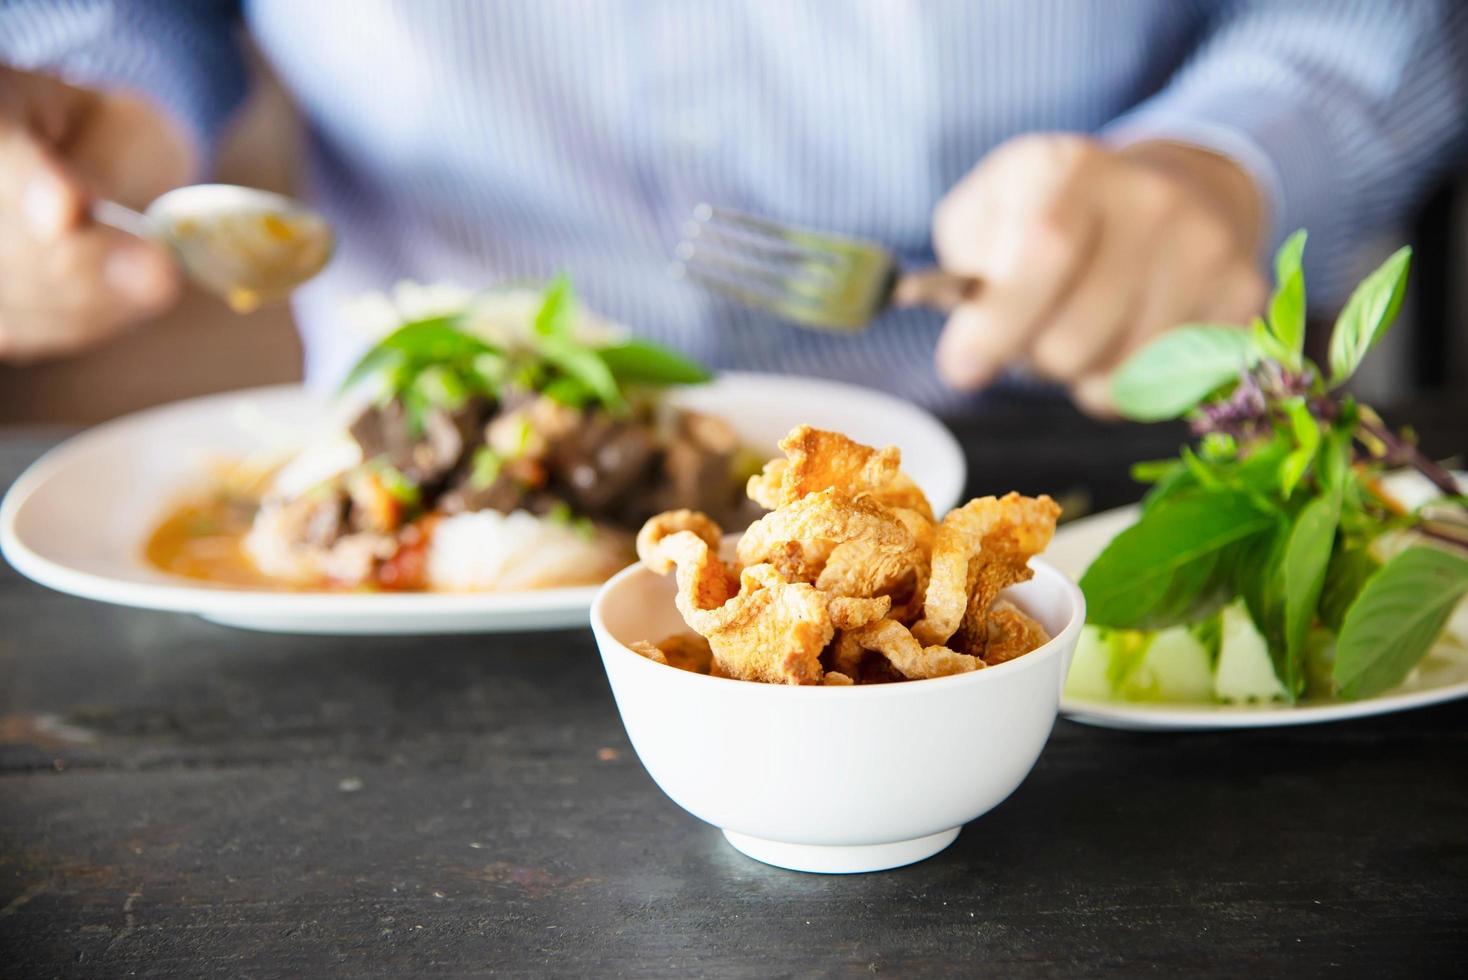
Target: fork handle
<point x="934" y="289"/>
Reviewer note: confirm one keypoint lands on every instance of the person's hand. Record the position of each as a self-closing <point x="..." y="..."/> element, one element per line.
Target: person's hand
<point x="65" y="282"/>
<point x="1086" y="253"/>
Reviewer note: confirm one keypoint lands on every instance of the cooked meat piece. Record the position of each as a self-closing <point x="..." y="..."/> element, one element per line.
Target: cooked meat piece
<point x="709" y="432"/>
<point x="615" y="469"/>
<point x="598" y="463"/>
<point x="326" y="520"/>
<point x="504" y="495"/>
<point x="446" y="435"/>
<point x="692" y="477"/>
<point x="385" y="431"/>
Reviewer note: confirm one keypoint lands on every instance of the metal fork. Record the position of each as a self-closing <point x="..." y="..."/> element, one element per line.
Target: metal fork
<point x="814" y="279"/>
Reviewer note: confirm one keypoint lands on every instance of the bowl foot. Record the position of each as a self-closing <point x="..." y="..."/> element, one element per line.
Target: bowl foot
<point x="824" y="859"/>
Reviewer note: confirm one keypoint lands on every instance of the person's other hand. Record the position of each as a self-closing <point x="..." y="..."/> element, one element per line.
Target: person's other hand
<point x="66" y="282"/>
<point x="1086" y="253"/>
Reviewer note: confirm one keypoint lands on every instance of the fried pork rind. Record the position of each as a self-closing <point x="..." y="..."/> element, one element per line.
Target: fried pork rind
<point x="766" y="487"/>
<point x="979" y="550"/>
<point x="801" y="561"/>
<point x="669" y="522"/>
<point x="911" y="658"/>
<point x="846" y="654"/>
<point x="818" y="460"/>
<point x="770" y="630"/>
<point x="849" y="613"/>
<point x="1011" y="633"/>
<point x="705" y="583"/>
<point x="650" y="650"/>
<point x="869" y="550"/>
<point x="848" y="580"/>
<point x="686" y="651"/>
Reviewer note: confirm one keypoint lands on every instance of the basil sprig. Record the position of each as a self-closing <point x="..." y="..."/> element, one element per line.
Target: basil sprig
<point x="1278" y="502"/>
<point x="438" y="362"/>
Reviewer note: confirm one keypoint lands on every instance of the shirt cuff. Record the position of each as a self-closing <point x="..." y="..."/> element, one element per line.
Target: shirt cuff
<point x="183" y="58"/>
<point x="1283" y="153"/>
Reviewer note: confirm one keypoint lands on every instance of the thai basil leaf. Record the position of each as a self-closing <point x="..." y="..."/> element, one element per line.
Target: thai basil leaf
<point x="1398" y="615"/>
<point x="1153" y="470"/>
<point x="485" y="468"/>
<point x="1368" y="314"/>
<point x="1307" y="440"/>
<point x="376" y="361"/>
<point x="1334" y="465"/>
<point x="1218" y="447"/>
<point x="1319" y="662"/>
<point x="1302" y="576"/>
<point x="1267" y="343"/>
<point x="1287" y="305"/>
<point x="586" y="367"/>
<point x="1170" y="483"/>
<point x="1259" y="471"/>
<point x="418" y="345"/>
<point x="442" y="386"/>
<point x="568" y="391"/>
<point x="1173" y="565"/>
<point x="1209" y="634"/>
<point x="557" y="310"/>
<point x="1256" y="577"/>
<point x="1203" y="474"/>
<point x="416" y="409"/>
<point x="1179" y="369"/>
<point x="1350" y="567"/>
<point x="643" y="362"/>
<point x="1287" y="259"/>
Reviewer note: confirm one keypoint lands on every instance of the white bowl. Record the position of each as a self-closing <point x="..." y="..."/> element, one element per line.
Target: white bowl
<point x="835" y="779"/>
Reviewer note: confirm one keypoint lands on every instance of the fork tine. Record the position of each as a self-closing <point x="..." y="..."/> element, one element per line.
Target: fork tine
<point x="736" y="239"/>
<point x="814" y="280"/>
<point x="739" y="267"/>
<point x="808" y="277"/>
<point x="753" y="224"/>
<point x="782" y="304"/>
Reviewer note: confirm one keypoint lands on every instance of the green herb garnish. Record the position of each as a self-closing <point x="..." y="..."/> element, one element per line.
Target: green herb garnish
<point x="437" y="362"/>
<point x="1278" y="503"/>
<point x="561" y="515"/>
<point x="485" y="468"/>
<point x="398" y="486"/>
<point x="584" y="528"/>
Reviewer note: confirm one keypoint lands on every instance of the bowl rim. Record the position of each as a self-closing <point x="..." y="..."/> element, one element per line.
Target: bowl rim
<point x="610" y="646"/>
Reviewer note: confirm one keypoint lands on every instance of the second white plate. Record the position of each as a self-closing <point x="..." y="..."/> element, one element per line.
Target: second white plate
<point x="1441" y="676"/>
<point x="77" y="519"/>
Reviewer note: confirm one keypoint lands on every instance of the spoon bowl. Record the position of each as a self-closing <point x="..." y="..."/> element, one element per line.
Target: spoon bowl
<point x="246" y="245"/>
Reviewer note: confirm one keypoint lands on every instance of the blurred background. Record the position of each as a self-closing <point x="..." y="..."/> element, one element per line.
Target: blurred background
<point x="202" y="347"/>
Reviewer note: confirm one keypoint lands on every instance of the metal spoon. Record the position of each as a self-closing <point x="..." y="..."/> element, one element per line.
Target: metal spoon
<point x="246" y="245"/>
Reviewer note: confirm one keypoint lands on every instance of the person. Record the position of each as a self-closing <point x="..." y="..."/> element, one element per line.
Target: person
<point x="1108" y="170"/>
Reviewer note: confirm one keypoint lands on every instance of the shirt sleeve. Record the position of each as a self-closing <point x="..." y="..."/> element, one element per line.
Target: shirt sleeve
<point x="184" y="55"/>
<point x="1343" y="113"/>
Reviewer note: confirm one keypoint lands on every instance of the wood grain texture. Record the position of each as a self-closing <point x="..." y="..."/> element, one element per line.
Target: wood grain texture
<point x="178" y="798"/>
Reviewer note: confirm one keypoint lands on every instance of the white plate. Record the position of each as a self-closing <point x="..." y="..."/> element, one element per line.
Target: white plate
<point x="77" y="519"/>
<point x="1441" y="676"/>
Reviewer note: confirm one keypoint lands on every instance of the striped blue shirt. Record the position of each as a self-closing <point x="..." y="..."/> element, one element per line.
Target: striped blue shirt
<point x="475" y="142"/>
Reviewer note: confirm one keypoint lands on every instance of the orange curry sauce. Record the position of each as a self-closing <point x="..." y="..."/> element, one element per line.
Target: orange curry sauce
<point x="204" y="539"/>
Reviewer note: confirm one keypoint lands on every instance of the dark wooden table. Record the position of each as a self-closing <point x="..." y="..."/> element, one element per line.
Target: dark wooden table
<point x="181" y="798"/>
